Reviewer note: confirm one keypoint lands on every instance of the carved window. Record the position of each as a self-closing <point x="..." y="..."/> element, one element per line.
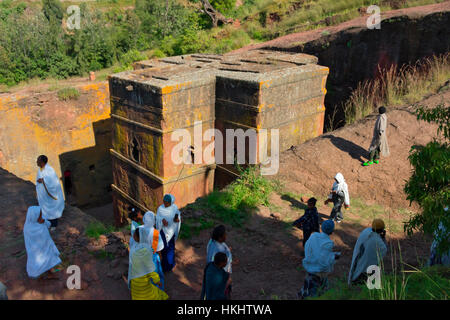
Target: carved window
<point x="135" y="150"/>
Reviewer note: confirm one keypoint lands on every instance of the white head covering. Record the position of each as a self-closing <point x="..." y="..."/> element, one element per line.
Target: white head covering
<point x="51" y="208"/>
<point x="168" y="213"/>
<point x="149" y="219"/>
<point x="3" y="295"/>
<point x="42" y="254"/>
<point x="141" y="257"/>
<point x="341" y="187"/>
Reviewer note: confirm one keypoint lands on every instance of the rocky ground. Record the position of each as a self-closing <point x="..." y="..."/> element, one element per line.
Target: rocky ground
<point x="267" y="250"/>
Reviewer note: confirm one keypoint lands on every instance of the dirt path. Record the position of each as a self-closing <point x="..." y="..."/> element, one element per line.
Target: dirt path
<point x="266" y="251"/>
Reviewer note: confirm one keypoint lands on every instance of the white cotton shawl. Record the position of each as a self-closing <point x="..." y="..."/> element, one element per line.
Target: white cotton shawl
<point x="319" y="255"/>
<point x="214" y="247"/>
<point x="51" y="208"/>
<point x="140" y="260"/>
<point x="369" y="250"/>
<point x="42" y="254"/>
<point x="341" y="188"/>
<point x="168" y="213"/>
<point x="149" y="223"/>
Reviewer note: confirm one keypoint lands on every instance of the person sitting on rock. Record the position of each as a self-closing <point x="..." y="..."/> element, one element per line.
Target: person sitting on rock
<point x="143" y="281"/>
<point x="49" y="192"/>
<point x="379" y="142"/>
<point x="339" y="196"/>
<point x="369" y="250"/>
<point x="319" y="261"/>
<point x="42" y="254"/>
<point x="309" y="222"/>
<point x="168" y="222"/>
<point x="217" y="244"/>
<point x="215" y="279"/>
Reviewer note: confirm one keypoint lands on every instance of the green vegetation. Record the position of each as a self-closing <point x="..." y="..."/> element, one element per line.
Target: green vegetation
<point x="96" y="229"/>
<point x="396" y="87"/>
<point x="68" y="94"/>
<point x="231" y="205"/>
<point x="35" y="41"/>
<point x="429" y="184"/>
<point x="429" y="283"/>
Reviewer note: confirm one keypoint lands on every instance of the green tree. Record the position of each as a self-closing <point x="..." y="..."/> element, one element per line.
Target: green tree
<point x="429" y="183"/>
<point x="53" y="10"/>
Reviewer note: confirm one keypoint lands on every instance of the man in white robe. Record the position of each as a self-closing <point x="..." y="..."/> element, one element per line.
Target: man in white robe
<point x="42" y="254"/>
<point x="369" y="250"/>
<point x="168" y="222"/>
<point x="49" y="192"/>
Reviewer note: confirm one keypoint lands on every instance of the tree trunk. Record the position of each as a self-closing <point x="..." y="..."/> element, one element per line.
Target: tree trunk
<point x="215" y="15"/>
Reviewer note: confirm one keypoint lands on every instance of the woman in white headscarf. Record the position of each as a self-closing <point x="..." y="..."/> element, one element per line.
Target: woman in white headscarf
<point x="339" y="196"/>
<point x="142" y="278"/>
<point x="156" y="243"/>
<point x="42" y="254"/>
<point x="168" y="222"/>
<point x="49" y="192"/>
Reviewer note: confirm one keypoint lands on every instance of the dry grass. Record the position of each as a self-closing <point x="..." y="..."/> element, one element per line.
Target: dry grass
<point x="394" y="86"/>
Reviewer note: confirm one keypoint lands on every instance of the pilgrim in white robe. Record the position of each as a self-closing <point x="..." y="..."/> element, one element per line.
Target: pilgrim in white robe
<point x="169" y="233"/>
<point x="42" y="254"/>
<point x="51" y="202"/>
<point x="369" y="250"/>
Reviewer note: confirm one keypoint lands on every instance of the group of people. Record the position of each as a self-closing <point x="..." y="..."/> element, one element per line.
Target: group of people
<point x="152" y="249"/>
<point x="153" y="238"/>
<point x="42" y="253"/>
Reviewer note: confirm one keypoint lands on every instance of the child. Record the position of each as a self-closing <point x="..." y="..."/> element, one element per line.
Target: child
<point x="339" y="196"/>
<point x="217" y="244"/>
<point x="309" y="222"/>
<point x="215" y="279"/>
<point x="136" y="218"/>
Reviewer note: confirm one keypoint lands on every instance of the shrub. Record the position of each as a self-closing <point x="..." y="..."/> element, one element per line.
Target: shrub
<point x="68" y="94"/>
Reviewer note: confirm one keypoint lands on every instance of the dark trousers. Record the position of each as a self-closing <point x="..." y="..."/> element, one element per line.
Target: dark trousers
<point x="362" y="279"/>
<point x="374" y="154"/>
<point x="53" y="223"/>
<point x="336" y="213"/>
<point x="168" y="253"/>
<point x="306" y="235"/>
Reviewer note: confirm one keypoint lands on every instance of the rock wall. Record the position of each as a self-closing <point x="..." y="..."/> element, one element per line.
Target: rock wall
<point x="355" y="53"/>
<point x="74" y="134"/>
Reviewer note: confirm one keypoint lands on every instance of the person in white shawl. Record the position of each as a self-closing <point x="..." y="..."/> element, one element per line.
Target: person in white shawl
<point x="319" y="261"/>
<point x="379" y="142"/>
<point x="42" y="254"/>
<point x="339" y="196"/>
<point x="369" y="250"/>
<point x="143" y="281"/>
<point x="49" y="192"/>
<point x="168" y="222"/>
<point x="155" y="241"/>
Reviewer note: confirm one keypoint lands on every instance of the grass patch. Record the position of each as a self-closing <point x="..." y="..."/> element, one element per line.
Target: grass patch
<point x="68" y="94"/>
<point x="102" y="254"/>
<point x="429" y="283"/>
<point x="394" y="87"/>
<point x="231" y="205"/>
<point x="96" y="229"/>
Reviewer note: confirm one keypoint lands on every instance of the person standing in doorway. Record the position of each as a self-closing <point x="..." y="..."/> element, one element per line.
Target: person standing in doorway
<point x="49" y="192"/>
<point x="379" y="142"/>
